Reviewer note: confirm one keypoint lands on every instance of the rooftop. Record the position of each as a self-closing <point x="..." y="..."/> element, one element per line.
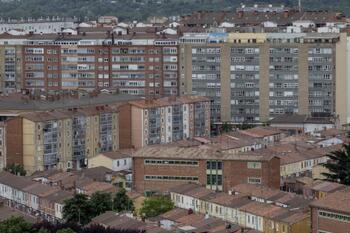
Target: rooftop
<point x="259" y="132"/>
<point x="124" y="221"/>
<point x="119" y="154"/>
<point x="338" y="202"/>
<point x="168" y="101"/>
<point x="201" y="152"/>
<point x="23" y="103"/>
<point x="243" y="203"/>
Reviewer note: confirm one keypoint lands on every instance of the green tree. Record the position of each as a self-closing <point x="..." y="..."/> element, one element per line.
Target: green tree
<point x="226" y="127"/>
<point x="156" y="205"/>
<point x="339" y="166"/>
<point x="16" y="169"/>
<point x="16" y="225"/>
<point x="78" y="209"/>
<point x="101" y="202"/>
<point x="65" y="230"/>
<point x="122" y="202"/>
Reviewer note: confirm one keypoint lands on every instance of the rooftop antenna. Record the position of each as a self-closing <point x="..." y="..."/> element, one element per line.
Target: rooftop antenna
<point x="299" y="5"/>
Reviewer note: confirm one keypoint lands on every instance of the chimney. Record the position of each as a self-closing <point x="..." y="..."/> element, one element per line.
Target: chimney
<point x="240" y="14"/>
<point x="285" y="14"/>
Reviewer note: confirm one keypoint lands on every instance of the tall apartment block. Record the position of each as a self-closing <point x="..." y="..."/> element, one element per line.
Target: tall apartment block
<point x="139" y="65"/>
<point x="168" y="119"/>
<point x="253" y="77"/>
<point x="11" y="68"/>
<point x="64" y="139"/>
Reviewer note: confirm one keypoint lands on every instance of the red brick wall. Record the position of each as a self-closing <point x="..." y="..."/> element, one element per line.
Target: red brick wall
<point x="237" y="172"/>
<point x="140" y="169"/>
<point x="125" y="126"/>
<point x="234" y="172"/>
<point x="273" y="173"/>
<point x="14" y="141"/>
<point x="328" y="225"/>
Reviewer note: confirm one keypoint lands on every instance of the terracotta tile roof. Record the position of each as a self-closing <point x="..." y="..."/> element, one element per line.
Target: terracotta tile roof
<point x="202" y="152"/>
<point x="119" y="154"/>
<point x="260" y="132"/>
<point x="338" y="202"/>
<point x="40" y="190"/>
<point x="260" y="209"/>
<point x="124" y="222"/>
<point x="326" y="186"/>
<point x="255" y="190"/>
<point x="91" y="187"/>
<point x="59" y="196"/>
<point x="18" y="182"/>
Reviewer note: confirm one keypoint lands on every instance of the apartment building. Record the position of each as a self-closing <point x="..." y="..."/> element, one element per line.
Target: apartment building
<point x="331" y="213"/>
<point x="254" y="77"/>
<point x="241" y="209"/>
<point x="141" y="64"/>
<point x="2" y="145"/>
<point x="158" y="168"/>
<point x="65" y="139"/>
<point x="169" y="119"/>
<point x="10" y="68"/>
<point x="37" y="27"/>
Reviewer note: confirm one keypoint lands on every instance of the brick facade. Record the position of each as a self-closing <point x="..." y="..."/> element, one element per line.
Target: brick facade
<point x="14" y="141"/>
<point x="234" y="172"/>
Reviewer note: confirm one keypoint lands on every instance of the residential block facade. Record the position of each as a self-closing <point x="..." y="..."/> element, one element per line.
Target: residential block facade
<point x="158" y="168"/>
<point x="144" y="66"/>
<point x="253" y="77"/>
<point x="66" y="139"/>
<point x="169" y="119"/>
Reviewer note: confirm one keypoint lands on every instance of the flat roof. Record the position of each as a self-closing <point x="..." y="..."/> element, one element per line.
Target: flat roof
<point x="196" y="153"/>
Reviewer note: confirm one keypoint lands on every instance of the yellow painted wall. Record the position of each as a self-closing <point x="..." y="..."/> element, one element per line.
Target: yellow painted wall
<point x="29" y="146"/>
<point x="244" y="37"/>
<point x="100" y="160"/>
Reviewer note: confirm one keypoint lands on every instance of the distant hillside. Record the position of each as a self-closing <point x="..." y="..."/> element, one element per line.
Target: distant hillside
<point x="141" y="9"/>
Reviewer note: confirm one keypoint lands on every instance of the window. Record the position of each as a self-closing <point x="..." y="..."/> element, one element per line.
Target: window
<point x="334" y="216"/>
<point x="254" y="180"/>
<point x="171" y="178"/>
<point x="254" y="165"/>
<point x="171" y="162"/>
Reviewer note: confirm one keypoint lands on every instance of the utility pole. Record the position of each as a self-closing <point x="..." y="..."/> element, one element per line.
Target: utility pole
<point x="299" y="5"/>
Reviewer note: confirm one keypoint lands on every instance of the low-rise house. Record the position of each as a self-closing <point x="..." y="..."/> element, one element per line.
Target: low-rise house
<point x="52" y="205"/>
<point x="88" y="187"/>
<point x="266" y="135"/>
<point x="35" y="194"/>
<point x="296" y="124"/>
<point x="241" y="209"/>
<point x="31" y="197"/>
<point x="125" y="222"/>
<point x="331" y="213"/>
<point x="116" y="160"/>
<point x="320" y="189"/>
<point x="179" y="220"/>
<point x="268" y="195"/>
<point x="299" y="158"/>
<point x="12" y="190"/>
